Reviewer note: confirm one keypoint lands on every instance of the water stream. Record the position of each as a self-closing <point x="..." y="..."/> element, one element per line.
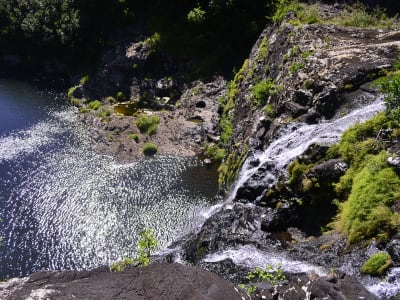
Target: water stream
<point x="291" y="141"/>
<point x="65" y="207"/>
<point x="294" y="138"/>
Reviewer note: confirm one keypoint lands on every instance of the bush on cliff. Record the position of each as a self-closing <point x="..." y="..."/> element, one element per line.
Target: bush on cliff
<point x="149" y="148"/>
<point x="148" y="124"/>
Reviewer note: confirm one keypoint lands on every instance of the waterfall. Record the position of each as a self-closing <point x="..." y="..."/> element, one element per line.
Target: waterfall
<point x="294" y="138"/>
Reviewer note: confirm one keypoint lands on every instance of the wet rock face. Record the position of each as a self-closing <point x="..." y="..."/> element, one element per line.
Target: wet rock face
<point x="299" y="287"/>
<point x="157" y="281"/>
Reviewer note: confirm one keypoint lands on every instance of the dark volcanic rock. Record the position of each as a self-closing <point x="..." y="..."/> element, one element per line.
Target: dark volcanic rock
<point x="157" y="281"/>
<point x="301" y="287"/>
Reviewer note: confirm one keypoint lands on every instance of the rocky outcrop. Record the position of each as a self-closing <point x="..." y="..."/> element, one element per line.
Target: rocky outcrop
<point x="157" y="281"/>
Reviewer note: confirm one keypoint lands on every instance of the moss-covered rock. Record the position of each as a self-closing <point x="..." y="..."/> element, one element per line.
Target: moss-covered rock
<point x="377" y="264"/>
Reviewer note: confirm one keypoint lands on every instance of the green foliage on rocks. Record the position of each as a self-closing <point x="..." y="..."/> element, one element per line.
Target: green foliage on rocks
<point x="262" y="90"/>
<point x="145" y="247"/>
<point x="149" y="148"/>
<point x="95" y="104"/>
<point x="358" y="15"/>
<point x="271" y="274"/>
<point x="377" y="264"/>
<point x="367" y="214"/>
<point x="148" y="124"/>
<point x="390" y="87"/>
<point x="212" y="150"/>
<point x="305" y="15"/>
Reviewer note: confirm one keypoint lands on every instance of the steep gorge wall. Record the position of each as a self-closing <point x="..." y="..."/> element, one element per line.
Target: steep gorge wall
<point x="313" y="70"/>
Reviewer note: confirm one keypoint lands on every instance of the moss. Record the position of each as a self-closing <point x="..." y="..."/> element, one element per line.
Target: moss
<point x="296" y="172"/>
<point x="367" y="214"/>
<point x="71" y="92"/>
<point x="262" y="90"/>
<point x="84" y="80"/>
<point x="149" y="148"/>
<point x="75" y="102"/>
<point x="104" y="113"/>
<point x="263" y="49"/>
<point x="377" y="264"/>
<point x="269" y="109"/>
<point x="230" y="168"/>
<point x="148" y="124"/>
<point x="134" y="136"/>
<point x="295" y="67"/>
<point x="95" y="105"/>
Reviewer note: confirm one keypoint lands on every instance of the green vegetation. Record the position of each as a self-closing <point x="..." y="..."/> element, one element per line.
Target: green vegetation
<point x="153" y="42"/>
<point x="377" y="264"/>
<point x="120" y="97"/>
<point x="134" y="136"/>
<point x="262" y="90"/>
<point x="84" y="80"/>
<point x="95" y="105"/>
<point x="146" y="246"/>
<point x="196" y="16"/>
<point x="296" y="67"/>
<point x="122" y="265"/>
<point x="148" y="124"/>
<point x="358" y="15"/>
<point x="104" y="113"/>
<point x="367" y="214"/>
<point x="212" y="150"/>
<point x="390" y="86"/>
<point x="304" y="15"/>
<point x="149" y="148"/>
<point x="271" y="274"/>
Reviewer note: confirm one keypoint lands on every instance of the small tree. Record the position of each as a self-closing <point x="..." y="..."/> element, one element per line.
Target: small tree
<point x="146" y="246"/>
<point x="390" y="87"/>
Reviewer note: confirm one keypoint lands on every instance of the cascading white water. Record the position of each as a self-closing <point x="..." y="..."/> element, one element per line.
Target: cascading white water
<point x="291" y="141"/>
<point x="294" y="138"/>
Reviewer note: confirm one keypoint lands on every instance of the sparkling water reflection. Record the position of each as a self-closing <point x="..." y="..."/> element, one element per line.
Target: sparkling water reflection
<point x="65" y="207"/>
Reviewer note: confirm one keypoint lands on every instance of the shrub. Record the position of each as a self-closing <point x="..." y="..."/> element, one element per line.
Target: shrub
<point x="358" y="15"/>
<point x="377" y="264"/>
<point x="367" y="214"/>
<point x="148" y="124"/>
<point x="95" y="105"/>
<point x="134" y="137"/>
<point x="213" y="151"/>
<point x="309" y="15"/>
<point x="146" y="246"/>
<point x="150" y="148"/>
<point x="122" y="265"/>
<point x="120" y="97"/>
<point x="196" y="16"/>
<point x="390" y="86"/>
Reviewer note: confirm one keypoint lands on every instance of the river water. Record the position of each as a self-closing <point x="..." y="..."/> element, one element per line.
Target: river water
<point x="62" y="206"/>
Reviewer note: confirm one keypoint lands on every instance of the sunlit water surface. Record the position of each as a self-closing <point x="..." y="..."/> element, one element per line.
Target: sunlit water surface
<point x="65" y="207"/>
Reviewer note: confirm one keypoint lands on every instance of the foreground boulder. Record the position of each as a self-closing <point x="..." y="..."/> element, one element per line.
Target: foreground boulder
<point x="157" y="281"/>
